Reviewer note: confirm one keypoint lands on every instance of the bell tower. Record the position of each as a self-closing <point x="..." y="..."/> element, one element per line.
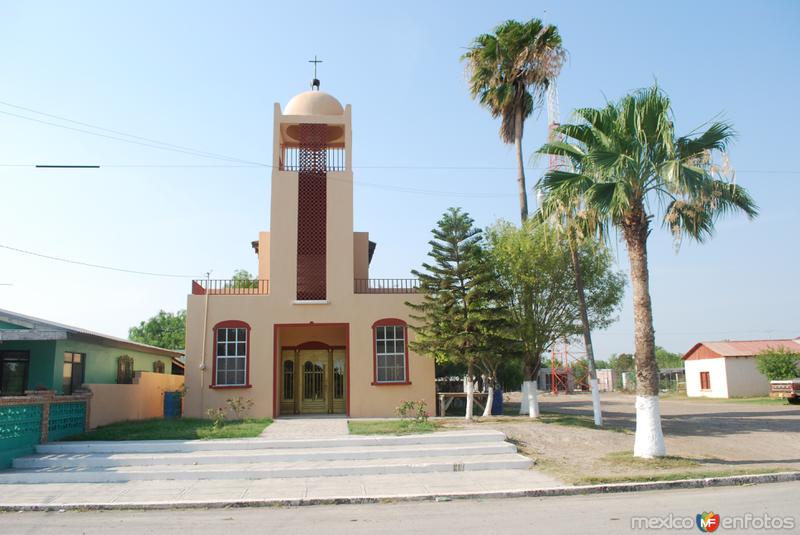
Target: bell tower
<point x="311" y="227"/>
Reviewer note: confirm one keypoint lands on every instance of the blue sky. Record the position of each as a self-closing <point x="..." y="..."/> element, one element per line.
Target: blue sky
<point x="205" y="75"/>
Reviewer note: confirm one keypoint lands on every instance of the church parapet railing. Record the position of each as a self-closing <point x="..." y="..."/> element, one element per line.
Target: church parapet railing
<point x="386" y="286"/>
<point x="230" y="287"/>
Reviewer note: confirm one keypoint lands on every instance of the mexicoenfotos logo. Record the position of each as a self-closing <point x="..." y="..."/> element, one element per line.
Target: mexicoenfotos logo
<point x="707" y="522"/>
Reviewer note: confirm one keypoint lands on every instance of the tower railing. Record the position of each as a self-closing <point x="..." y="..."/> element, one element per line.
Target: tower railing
<point x="290" y="158"/>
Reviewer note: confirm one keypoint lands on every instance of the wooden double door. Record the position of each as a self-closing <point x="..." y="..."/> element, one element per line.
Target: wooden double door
<point x="313" y="381"/>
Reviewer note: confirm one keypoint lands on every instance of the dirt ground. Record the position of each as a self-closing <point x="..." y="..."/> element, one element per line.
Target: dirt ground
<point x="702" y="438"/>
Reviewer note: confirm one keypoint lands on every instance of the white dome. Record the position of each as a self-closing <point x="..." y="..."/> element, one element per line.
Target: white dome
<point x="314" y="103"/>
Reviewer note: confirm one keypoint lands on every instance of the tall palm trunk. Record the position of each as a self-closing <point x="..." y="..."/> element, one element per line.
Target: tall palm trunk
<point x="587" y="332"/>
<point x="523" y="194"/>
<point x="649" y="441"/>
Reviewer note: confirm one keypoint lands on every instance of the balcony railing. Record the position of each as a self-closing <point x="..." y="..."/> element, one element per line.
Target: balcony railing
<point x="386" y="286"/>
<point x="230" y="287"/>
<point x="334" y="158"/>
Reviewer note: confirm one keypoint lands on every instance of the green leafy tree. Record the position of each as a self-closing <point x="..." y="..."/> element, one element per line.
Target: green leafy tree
<point x="778" y="363"/>
<point x="509" y="71"/>
<point x="458" y="319"/>
<point x="242" y="279"/>
<point x="631" y="160"/>
<point x="667" y="359"/>
<point x="578" y="223"/>
<point x="165" y="329"/>
<point x="621" y="363"/>
<point x="533" y="265"/>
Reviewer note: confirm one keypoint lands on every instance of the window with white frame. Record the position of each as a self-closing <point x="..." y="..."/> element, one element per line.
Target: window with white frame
<point x="390" y="354"/>
<point x="231" y="356"/>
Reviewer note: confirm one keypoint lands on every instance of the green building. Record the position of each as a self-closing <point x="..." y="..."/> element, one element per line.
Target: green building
<point x="36" y="354"/>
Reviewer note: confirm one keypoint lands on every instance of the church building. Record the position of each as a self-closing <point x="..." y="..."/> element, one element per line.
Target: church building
<point x="314" y="334"/>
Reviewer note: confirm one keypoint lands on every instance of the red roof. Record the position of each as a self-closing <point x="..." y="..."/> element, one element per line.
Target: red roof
<point x="739" y="348"/>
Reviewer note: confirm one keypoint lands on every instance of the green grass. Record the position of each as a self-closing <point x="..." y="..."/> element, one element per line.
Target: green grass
<point x="674" y="476"/>
<point x="177" y="429"/>
<point x="389" y="427"/>
<point x="626" y="458"/>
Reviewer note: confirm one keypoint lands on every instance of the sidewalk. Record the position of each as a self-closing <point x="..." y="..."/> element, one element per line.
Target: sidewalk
<point x="223" y="492"/>
<point x="308" y="428"/>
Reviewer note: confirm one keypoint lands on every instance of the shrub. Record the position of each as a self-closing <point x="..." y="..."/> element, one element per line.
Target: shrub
<point x="416" y="411"/>
<point x="239" y="407"/>
<point x="217" y="416"/>
<point x="778" y="363"/>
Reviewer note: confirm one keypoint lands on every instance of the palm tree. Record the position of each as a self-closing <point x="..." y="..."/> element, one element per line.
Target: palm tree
<point x="630" y="161"/>
<point x="509" y="71"/>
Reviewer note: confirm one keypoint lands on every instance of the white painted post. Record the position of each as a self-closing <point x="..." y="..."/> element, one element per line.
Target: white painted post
<point x="468" y="414"/>
<point x="523" y="402"/>
<point x="649" y="440"/>
<point x="533" y="400"/>
<point x="598" y="414"/>
<point x="487" y="409"/>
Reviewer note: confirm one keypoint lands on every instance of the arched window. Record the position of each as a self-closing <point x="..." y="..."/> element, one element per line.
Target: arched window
<point x="288" y="380"/>
<point x="231" y="354"/>
<point x="390" y="346"/>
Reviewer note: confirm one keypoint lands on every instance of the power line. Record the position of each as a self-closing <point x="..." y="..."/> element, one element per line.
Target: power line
<point x="355" y="167"/>
<point x="142" y="138"/>
<point x="153" y="145"/>
<point x="98" y="266"/>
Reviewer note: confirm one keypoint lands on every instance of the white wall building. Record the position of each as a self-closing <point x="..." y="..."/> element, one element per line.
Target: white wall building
<point x="727" y="369"/>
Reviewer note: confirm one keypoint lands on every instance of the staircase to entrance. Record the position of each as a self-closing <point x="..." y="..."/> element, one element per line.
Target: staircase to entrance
<point x="325" y="453"/>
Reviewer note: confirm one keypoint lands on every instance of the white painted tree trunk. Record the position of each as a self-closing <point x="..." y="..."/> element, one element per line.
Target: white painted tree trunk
<point x="649" y="440"/>
<point x="533" y="400"/>
<point x="470" y="386"/>
<point x="487" y="410"/>
<point x="598" y="414"/>
<point x="523" y="402"/>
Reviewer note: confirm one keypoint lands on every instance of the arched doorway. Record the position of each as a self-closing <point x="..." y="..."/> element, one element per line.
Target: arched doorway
<point x="313" y="379"/>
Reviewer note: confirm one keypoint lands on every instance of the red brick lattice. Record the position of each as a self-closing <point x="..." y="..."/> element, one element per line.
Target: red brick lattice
<point x="311" y="213"/>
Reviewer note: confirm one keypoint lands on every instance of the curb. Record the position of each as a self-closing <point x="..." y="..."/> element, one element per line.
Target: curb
<point x="728" y="481"/>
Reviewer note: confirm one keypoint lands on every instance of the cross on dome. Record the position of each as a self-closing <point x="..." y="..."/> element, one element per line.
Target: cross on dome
<point x="315" y="82"/>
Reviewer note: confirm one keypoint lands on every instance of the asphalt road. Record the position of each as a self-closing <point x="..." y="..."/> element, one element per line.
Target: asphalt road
<point x="610" y="513"/>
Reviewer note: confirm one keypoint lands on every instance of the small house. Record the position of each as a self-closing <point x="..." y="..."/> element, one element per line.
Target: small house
<point x="727" y="369"/>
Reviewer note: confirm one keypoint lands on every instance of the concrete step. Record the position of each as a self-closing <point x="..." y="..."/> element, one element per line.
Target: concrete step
<point x="264" y="455"/>
<point x="177" y="446"/>
<point x="268" y="470"/>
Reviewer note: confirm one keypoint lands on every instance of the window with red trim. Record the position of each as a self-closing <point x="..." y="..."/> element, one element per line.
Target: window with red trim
<point x="391" y="350"/>
<point x="230" y="356"/>
<point x="705" y="381"/>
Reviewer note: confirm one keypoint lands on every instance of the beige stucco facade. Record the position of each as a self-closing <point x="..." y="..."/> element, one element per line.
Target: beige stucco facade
<point x="277" y="319"/>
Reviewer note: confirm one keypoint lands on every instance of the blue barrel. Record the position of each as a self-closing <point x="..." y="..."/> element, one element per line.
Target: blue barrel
<point x="497" y="402"/>
<point x="172" y="404"/>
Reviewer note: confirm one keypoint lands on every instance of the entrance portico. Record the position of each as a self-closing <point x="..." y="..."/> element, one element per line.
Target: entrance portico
<point x="311" y="369"/>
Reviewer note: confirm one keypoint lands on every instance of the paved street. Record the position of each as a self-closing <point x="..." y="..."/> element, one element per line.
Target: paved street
<point x="574" y="514"/>
<point x="217" y="490"/>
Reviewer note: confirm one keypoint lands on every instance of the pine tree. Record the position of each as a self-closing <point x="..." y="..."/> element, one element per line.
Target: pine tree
<point x="459" y="318"/>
